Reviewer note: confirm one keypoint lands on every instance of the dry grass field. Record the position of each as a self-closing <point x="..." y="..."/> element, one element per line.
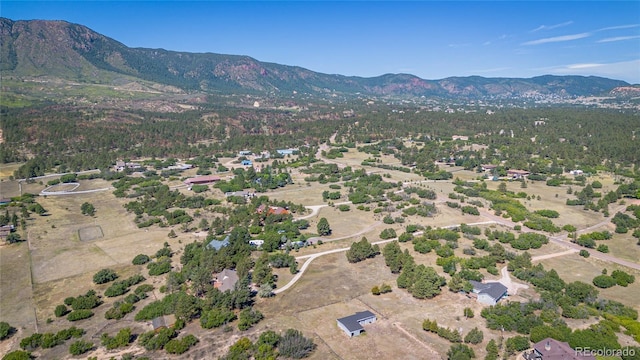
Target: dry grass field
<point x="66" y="248"/>
<point x="6" y="170"/>
<point x="345" y="288"/>
<point x="576" y="268"/>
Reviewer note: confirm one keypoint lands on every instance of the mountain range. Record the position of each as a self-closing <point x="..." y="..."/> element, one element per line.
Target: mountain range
<point x="38" y="48"/>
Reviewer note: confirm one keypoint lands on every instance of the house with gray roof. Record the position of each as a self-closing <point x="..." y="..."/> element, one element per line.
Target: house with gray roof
<point x="218" y="244"/>
<point x="226" y="280"/>
<point x="489" y="293"/>
<point x="352" y="324"/>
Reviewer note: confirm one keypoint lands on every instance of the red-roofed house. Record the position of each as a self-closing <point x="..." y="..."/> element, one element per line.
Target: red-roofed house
<point x="272" y="210"/>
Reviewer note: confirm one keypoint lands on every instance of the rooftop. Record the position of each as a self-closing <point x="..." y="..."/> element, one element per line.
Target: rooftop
<point x="352" y="322"/>
<point x="493" y="289"/>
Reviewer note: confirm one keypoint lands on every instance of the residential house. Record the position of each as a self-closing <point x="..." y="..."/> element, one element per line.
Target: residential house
<point x="489" y="293"/>
<point x="271" y="210"/>
<point x="218" y="244"/>
<point x="5" y="201"/>
<point x="245" y="153"/>
<point x="208" y="179"/>
<point x="246" y="163"/>
<point x="460" y="137"/>
<point x="244" y="194"/>
<point x="518" y="174"/>
<point x="576" y="172"/>
<point x="352" y="324"/>
<point x="121" y="165"/>
<point x="551" y="349"/>
<point x="289" y="151"/>
<point x="226" y="280"/>
<point x="489" y="167"/>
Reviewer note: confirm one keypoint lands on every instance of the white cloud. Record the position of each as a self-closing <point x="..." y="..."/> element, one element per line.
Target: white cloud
<point x="625" y="70"/>
<point x="619" y="38"/>
<point x="619" y="27"/>
<point x="557" y="39"/>
<point x="549" y="27"/>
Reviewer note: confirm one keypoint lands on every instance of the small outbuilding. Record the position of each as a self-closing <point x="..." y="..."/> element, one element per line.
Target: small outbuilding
<point x="352" y="324"/>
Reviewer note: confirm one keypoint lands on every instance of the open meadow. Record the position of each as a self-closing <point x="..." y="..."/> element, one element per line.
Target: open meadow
<point x="65" y="248"/>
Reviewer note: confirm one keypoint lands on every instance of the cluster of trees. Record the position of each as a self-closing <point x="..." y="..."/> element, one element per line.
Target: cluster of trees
<point x="362" y="250"/>
<point x="625" y="222"/>
<point x="291" y="344"/>
<point x="120" y="287"/>
<point x="420" y="281"/>
<point x="49" y="340"/>
<point x="589" y="240"/>
<point x="617" y="277"/>
<point x="453" y="336"/>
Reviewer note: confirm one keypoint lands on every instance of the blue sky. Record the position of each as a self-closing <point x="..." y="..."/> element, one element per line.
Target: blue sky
<point x="430" y="39"/>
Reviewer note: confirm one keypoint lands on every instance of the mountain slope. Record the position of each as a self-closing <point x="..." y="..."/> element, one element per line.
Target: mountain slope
<point x="75" y="52"/>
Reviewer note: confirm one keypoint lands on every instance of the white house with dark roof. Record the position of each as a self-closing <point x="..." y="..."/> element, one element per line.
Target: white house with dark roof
<point x="352" y="324"/>
<point x="489" y="293"/>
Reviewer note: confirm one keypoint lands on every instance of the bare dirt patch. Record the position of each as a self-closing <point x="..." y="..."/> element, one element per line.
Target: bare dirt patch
<point x="90" y="233"/>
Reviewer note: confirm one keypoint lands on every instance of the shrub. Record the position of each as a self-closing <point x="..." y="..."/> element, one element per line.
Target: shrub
<point x="517" y="343"/>
<point x="294" y="345"/>
<point x="141" y="259"/>
<point x="460" y="352"/>
<point x="116" y="289"/>
<point x="79" y="315"/>
<point x="475" y="336"/>
<point x="604" y="281"/>
<point x="61" y="311"/>
<point x="248" y="317"/>
<point x="216" y="318"/>
<point x="119" y="310"/>
<point x="156" y="341"/>
<point x="6" y="330"/>
<point x="159" y="267"/>
<point x="104" y="276"/>
<point x="584" y="253"/>
<point x="17" y="355"/>
<point x="471" y="210"/>
<point x="388" y="234"/>
<point x="180" y="346"/>
<point x="80" y="347"/>
<point x="622" y="278"/>
<point x="123" y="338"/>
<point x="603" y="248"/>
